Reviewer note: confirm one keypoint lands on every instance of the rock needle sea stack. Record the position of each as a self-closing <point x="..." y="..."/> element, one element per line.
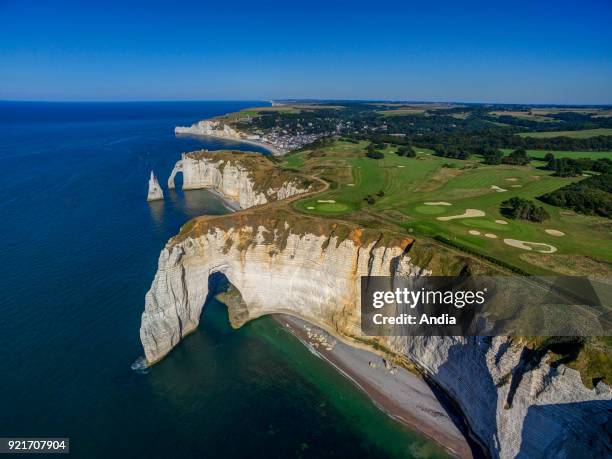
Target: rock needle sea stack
<point x="155" y="191"/>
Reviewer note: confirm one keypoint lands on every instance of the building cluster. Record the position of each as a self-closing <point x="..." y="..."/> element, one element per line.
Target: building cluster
<point x="283" y="140"/>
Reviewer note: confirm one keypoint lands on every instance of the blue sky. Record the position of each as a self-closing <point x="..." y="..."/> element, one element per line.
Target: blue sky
<point x="516" y="52"/>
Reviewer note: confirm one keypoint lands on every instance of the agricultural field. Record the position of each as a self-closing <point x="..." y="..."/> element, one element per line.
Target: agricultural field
<point x="399" y="109"/>
<point x="288" y="108"/>
<point x="583" y="134"/>
<point x="596" y="111"/>
<point x="430" y="197"/>
<point x="525" y="115"/>
<point x="545" y="114"/>
<point x="402" y="111"/>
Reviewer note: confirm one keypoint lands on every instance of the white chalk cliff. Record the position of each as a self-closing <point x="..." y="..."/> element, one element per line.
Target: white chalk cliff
<point x="515" y="405"/>
<point x="155" y="192"/>
<point x="515" y="402"/>
<point x="246" y="178"/>
<point x="210" y="128"/>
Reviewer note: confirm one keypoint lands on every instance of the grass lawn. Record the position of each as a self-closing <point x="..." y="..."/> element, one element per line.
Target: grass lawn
<point x="565" y="154"/>
<point x="294" y="160"/>
<point x="574" y="134"/>
<point x="401" y="186"/>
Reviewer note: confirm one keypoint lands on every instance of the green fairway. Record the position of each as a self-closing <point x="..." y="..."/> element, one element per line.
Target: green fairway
<point x="396" y="189"/>
<point x="430" y="210"/>
<point x="485" y="224"/>
<point x="583" y="134"/>
<point x="294" y="160"/>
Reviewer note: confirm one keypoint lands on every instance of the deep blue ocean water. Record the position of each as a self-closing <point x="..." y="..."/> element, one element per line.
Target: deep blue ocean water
<point x="78" y="250"/>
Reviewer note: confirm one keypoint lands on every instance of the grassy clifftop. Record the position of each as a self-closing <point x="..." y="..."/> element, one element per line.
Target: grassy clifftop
<point x="280" y="223"/>
<point x="263" y="170"/>
<point x="408" y="196"/>
<point x="458" y="201"/>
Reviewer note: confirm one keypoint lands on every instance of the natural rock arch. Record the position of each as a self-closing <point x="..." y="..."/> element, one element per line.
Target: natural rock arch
<point x="315" y="278"/>
<point x="313" y="274"/>
<point x="178" y="167"/>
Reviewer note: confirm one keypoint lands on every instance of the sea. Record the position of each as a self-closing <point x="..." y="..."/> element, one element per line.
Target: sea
<point x="78" y="250"/>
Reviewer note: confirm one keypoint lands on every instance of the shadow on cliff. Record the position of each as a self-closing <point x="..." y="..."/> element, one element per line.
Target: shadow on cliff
<point x="466" y="377"/>
<point x="586" y="427"/>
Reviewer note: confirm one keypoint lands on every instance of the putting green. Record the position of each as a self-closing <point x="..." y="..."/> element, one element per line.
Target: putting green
<point x="431" y="210"/>
<point x="331" y="207"/>
<point x="484" y="224"/>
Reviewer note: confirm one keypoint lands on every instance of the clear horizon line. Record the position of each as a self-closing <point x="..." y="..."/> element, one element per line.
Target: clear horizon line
<point x="406" y="101"/>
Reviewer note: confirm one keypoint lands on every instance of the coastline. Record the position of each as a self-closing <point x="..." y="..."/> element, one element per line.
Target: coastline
<point x="270" y="148"/>
<point x="232" y="206"/>
<point x="399" y="393"/>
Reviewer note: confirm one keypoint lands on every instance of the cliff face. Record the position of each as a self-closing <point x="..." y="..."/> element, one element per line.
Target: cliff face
<point x="248" y="178"/>
<point x="211" y="128"/>
<point x="312" y="270"/>
<point x="155" y="192"/>
<point x="314" y="275"/>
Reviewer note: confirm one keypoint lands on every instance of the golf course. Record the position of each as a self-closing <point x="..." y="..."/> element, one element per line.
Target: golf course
<point x="457" y="202"/>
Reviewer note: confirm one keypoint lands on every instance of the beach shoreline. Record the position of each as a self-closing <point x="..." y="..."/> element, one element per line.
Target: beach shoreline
<point x="402" y="395"/>
<point x="399" y="393"/>
<point x="233" y="206"/>
<point x="270" y="148"/>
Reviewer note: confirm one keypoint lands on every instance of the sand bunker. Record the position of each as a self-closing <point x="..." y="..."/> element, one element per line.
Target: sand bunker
<point x="474" y="232"/>
<point x="498" y="189"/>
<point x="310" y="208"/>
<point x="554" y="232"/>
<point x="469" y="213"/>
<point x="537" y="246"/>
<point x="516" y="186"/>
<point x="401" y="166"/>
<point x="491" y="235"/>
<point x="512" y="179"/>
<point x="501" y="222"/>
<point x="438" y="203"/>
<point x="330" y="201"/>
<point x="350" y="184"/>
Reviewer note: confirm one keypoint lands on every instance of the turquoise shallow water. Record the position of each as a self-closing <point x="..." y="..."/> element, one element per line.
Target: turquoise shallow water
<point x="79" y="250"/>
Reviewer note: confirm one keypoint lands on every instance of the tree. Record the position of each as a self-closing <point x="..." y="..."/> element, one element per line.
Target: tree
<point x="523" y="209"/>
<point x="517" y="157"/>
<point x="550" y="161"/>
<point x="406" y="150"/>
<point x="591" y="196"/>
<point x="493" y="157"/>
<point x="372" y="152"/>
<point x="452" y="152"/>
<point x="369" y="199"/>
<point x="375" y="154"/>
<point x="565" y="167"/>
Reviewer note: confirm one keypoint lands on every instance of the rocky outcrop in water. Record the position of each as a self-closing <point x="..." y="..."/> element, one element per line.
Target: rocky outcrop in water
<point x="311" y="269"/>
<point x="249" y="179"/>
<point x="155" y="191"/>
